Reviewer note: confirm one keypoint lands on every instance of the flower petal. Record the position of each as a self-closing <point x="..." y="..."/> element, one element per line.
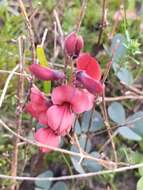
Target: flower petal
<point x="93" y="86"/>
<point x="63" y="94"/>
<point x="60" y="119"/>
<point x="30" y="109"/>
<point x="44" y="73"/>
<point x="83" y="101"/>
<point x="48" y="137"/>
<point x="90" y="65"/>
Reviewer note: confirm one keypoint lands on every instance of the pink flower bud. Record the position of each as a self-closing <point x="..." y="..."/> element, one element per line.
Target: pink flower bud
<point x="43" y="73"/>
<point x="93" y="86"/>
<point x="73" y="44"/>
<point x="48" y="137"/>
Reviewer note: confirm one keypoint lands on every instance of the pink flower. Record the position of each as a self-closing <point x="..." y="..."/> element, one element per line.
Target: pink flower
<point x="60" y="118"/>
<point x="89" y="74"/>
<point x="48" y="137"/>
<point x="73" y="44"/>
<point x="67" y="100"/>
<point x="43" y="73"/>
<point x="90" y="65"/>
<point x="93" y="86"/>
<point x="38" y="105"/>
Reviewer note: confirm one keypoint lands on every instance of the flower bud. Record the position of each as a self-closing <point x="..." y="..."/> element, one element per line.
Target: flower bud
<point x="93" y="86"/>
<point x="73" y="44"/>
<point x="43" y="73"/>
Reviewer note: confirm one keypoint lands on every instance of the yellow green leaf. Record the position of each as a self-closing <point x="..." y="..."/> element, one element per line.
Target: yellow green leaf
<point x="43" y="61"/>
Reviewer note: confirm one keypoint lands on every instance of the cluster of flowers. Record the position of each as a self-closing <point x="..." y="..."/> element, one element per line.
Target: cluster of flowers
<point x="58" y="113"/>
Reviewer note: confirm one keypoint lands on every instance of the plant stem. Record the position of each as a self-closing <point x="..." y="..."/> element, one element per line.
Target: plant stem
<point x="20" y="94"/>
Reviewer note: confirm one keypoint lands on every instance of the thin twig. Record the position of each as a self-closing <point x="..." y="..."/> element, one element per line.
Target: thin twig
<point x="7" y="83"/>
<point x="14" y="73"/>
<point x="120" y="98"/>
<point x="131" y="88"/>
<point x="109" y="130"/>
<point x="20" y="94"/>
<point x="85" y="175"/>
<point x="29" y="26"/>
<point x="44" y="37"/>
<point x="105" y="163"/>
<point x="59" y="27"/>
<point x="102" y="21"/>
<point x="81" y="15"/>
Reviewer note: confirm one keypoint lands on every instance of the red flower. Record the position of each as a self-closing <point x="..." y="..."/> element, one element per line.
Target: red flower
<point x="48" y="137"/>
<point x="90" y="65"/>
<point x="93" y="86"/>
<point x="73" y="44"/>
<point x="67" y="100"/>
<point x="38" y="105"/>
<point x="43" y="73"/>
<point x="89" y="73"/>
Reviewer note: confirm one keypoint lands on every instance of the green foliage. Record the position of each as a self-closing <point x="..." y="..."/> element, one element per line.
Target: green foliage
<point x="140" y="184"/>
<point x="125" y="50"/>
<point x="116" y="112"/>
<point x="44" y="184"/>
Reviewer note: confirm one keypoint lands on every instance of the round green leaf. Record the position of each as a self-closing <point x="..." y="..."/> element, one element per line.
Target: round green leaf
<point x="91" y="165"/>
<point x="59" y="186"/>
<point x="129" y="134"/>
<point x="117" y="48"/>
<point x="96" y="122"/>
<point x="125" y="75"/>
<point x="75" y="161"/>
<point x="44" y="184"/>
<point x="85" y="121"/>
<point x="77" y="127"/>
<point x="116" y="112"/>
<point x="85" y="142"/>
<point x="136" y="122"/>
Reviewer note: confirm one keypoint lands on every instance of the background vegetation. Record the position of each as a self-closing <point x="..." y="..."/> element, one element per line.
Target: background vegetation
<point x="120" y="30"/>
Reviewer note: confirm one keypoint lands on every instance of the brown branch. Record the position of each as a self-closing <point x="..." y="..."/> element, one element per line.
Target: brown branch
<point x="109" y="130"/>
<point x="81" y="15"/>
<point x="106" y="163"/>
<point x="20" y="94"/>
<point x="102" y="21"/>
<point x="29" y="26"/>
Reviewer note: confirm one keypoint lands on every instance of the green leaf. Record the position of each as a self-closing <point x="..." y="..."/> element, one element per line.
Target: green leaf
<point x="118" y="50"/>
<point x="129" y="134"/>
<point x="44" y="184"/>
<point x="96" y="122"/>
<point x="84" y="141"/>
<point x="75" y="161"/>
<point x="92" y="166"/>
<point x="125" y="75"/>
<point x="77" y="127"/>
<point x="140" y="171"/>
<point x="140" y="184"/>
<point x="137" y="122"/>
<point x="43" y="61"/>
<point x="116" y="112"/>
<point x="85" y="121"/>
<point x="60" y="186"/>
<point x="41" y="56"/>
